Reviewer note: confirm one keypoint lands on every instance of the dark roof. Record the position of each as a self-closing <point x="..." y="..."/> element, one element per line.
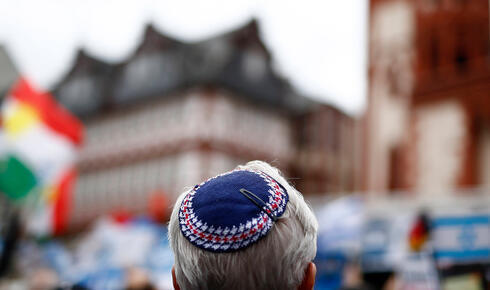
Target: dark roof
<point x="8" y="72"/>
<point x="237" y="61"/>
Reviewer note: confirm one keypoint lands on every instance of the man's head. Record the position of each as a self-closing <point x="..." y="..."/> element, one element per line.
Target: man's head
<point x="272" y="250"/>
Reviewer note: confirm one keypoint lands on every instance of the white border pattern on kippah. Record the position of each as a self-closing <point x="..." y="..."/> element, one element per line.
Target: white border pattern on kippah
<point x="226" y="239"/>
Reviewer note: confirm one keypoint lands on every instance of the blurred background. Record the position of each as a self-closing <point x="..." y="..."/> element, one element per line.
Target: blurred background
<point x="378" y="111"/>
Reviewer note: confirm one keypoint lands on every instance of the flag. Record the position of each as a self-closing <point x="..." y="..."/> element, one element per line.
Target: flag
<point x="419" y="233"/>
<point x="40" y="140"/>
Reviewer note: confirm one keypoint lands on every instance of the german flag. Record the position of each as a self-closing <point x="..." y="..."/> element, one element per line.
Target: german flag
<point x="419" y="234"/>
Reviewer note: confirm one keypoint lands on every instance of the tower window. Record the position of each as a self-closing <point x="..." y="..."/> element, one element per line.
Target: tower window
<point x="461" y="58"/>
<point x="396" y="170"/>
<point x="434" y="53"/>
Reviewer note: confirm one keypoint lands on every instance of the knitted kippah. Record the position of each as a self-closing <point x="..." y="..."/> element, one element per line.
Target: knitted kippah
<point x="231" y="211"/>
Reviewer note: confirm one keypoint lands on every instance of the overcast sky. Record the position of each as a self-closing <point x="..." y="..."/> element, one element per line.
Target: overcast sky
<point x="320" y="46"/>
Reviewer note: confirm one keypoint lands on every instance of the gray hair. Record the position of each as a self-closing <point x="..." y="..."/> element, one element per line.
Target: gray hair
<point x="277" y="261"/>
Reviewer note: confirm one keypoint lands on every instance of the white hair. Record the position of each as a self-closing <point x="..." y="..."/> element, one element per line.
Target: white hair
<point x="277" y="261"/>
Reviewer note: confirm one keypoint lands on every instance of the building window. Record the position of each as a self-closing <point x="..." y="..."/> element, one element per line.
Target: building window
<point x="434" y="53"/>
<point x="461" y="57"/>
<point x="80" y="94"/>
<point x="396" y="172"/>
<point x="254" y="65"/>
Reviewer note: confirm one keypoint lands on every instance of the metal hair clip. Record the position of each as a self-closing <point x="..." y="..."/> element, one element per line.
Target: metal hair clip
<point x="250" y="195"/>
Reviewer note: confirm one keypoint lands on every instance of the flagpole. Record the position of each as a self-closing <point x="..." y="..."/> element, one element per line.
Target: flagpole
<point x="432" y="254"/>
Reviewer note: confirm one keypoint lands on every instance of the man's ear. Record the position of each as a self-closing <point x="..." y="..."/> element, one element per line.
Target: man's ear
<point x="309" y="278"/>
<point x="174" y="279"/>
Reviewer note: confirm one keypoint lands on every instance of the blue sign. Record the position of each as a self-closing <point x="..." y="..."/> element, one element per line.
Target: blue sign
<point x="461" y="238"/>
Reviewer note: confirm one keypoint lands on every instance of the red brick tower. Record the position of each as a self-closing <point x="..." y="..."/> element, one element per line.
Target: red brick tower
<point x="428" y="118"/>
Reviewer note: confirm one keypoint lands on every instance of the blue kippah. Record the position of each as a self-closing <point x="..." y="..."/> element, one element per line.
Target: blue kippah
<point x="231" y="211"/>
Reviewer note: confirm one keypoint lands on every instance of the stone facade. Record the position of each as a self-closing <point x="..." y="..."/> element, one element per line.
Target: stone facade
<point x="173" y="114"/>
